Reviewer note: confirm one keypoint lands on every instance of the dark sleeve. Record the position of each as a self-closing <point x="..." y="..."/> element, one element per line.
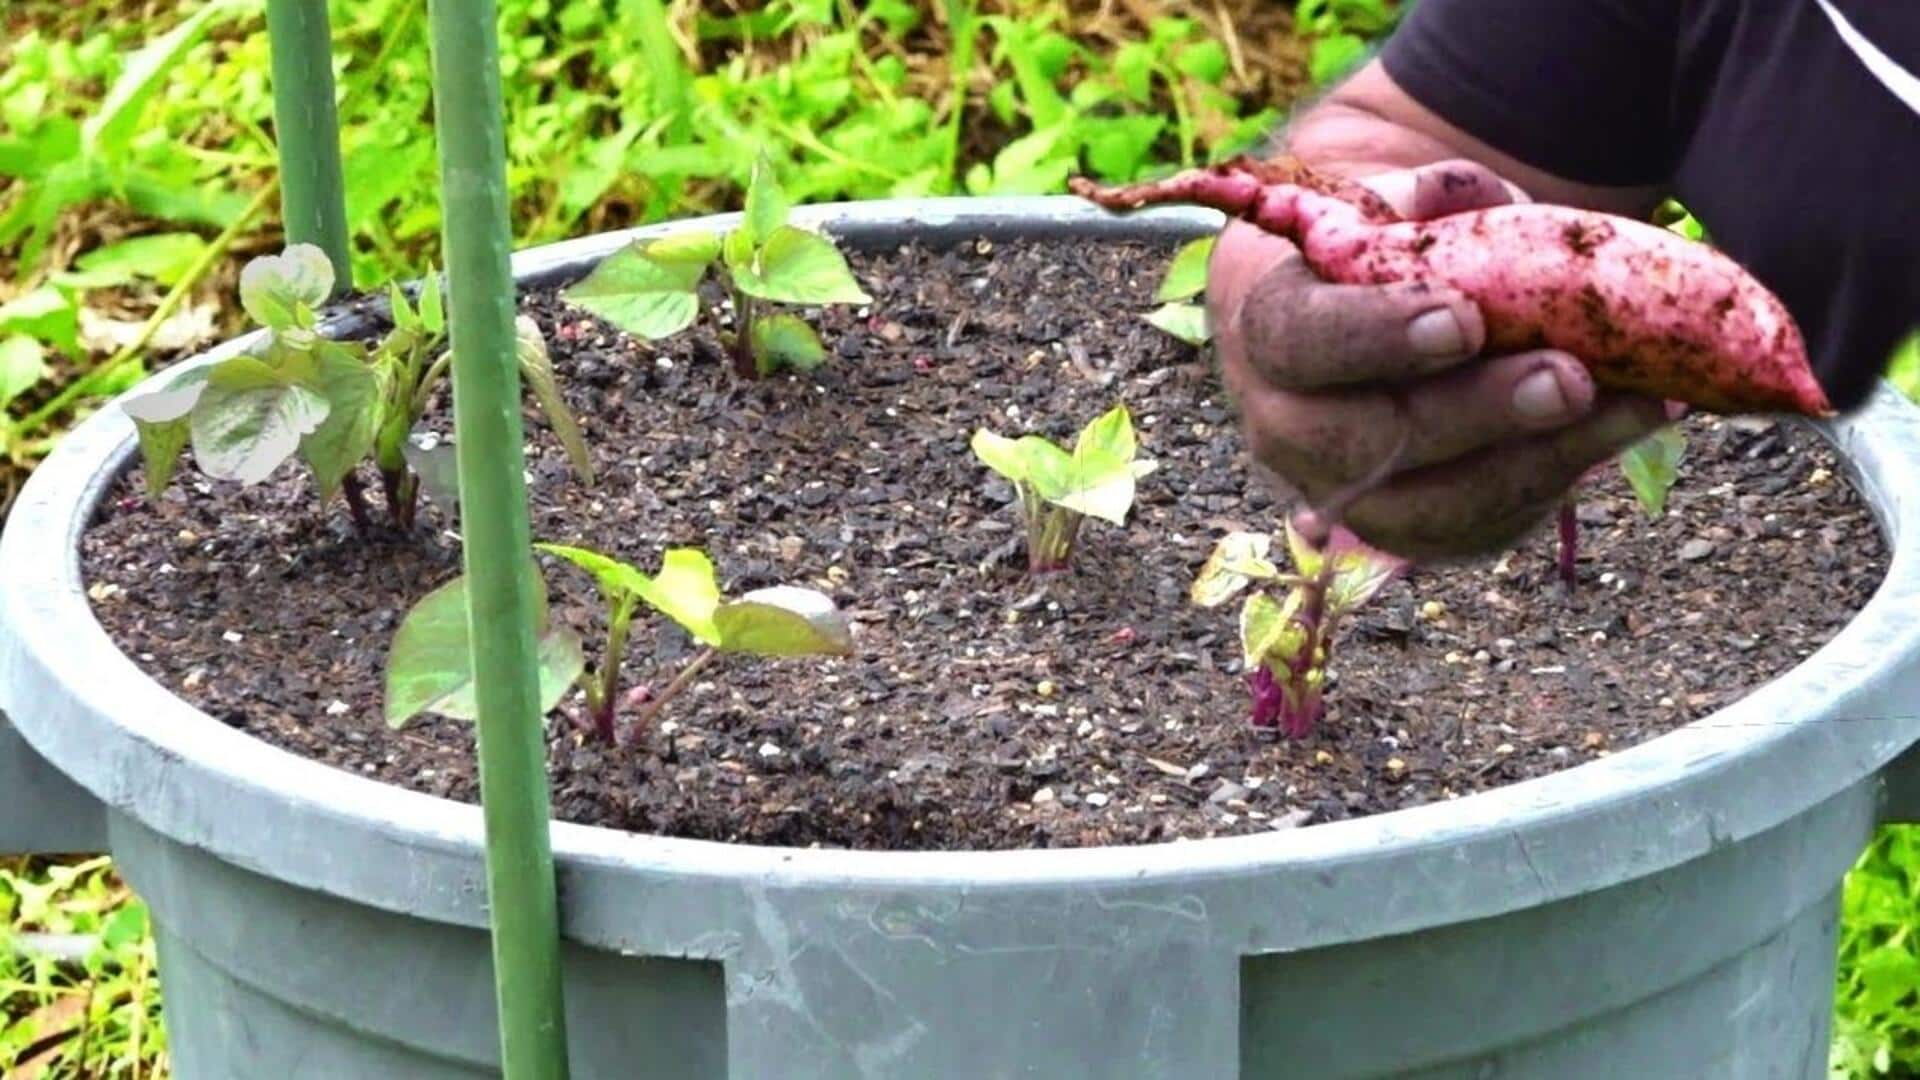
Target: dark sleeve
<point x="1581" y="89"/>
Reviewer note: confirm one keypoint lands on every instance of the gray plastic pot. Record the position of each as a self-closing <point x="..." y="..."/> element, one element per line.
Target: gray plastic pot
<point x="1667" y="912"/>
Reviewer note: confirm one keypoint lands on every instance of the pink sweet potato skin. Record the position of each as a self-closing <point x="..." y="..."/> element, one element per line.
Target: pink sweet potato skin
<point x="1646" y="310"/>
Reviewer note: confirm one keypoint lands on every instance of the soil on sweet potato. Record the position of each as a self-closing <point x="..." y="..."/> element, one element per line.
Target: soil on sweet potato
<point x="983" y="710"/>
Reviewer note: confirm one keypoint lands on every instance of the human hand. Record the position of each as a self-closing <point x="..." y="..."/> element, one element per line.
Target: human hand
<point x="1329" y="379"/>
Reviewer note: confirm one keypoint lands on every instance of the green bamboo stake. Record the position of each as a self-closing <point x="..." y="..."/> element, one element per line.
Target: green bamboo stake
<point x="306" y="123"/>
<point x="498" y="546"/>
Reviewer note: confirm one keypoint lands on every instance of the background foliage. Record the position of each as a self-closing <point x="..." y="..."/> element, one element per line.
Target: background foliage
<point x="136" y="174"/>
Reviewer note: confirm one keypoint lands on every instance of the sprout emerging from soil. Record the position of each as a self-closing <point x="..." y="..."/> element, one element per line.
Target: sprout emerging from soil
<point x="651" y="287"/>
<point x="1286" y="642"/>
<point x="1186" y="278"/>
<point x="428" y="669"/>
<point x="1058" y="489"/>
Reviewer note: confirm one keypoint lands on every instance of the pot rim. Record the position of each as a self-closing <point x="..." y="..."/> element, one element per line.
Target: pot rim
<point x="90" y="710"/>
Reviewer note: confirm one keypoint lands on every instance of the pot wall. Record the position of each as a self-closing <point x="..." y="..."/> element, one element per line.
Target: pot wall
<point x="41" y="811"/>
<point x="1668" y="911"/>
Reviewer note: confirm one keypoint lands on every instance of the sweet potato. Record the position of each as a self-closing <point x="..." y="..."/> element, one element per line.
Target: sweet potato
<point x="1644" y="309"/>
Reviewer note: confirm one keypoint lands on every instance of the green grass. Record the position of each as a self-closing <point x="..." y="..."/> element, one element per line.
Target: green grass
<point x="136" y="161"/>
<point x="78" y="996"/>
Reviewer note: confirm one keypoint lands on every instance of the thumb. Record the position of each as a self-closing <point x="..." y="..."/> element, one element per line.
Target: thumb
<point x="1442" y="188"/>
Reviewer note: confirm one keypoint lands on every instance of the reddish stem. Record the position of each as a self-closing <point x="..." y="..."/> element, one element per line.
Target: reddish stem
<point x="356" y="496"/>
<point x="1569" y="544"/>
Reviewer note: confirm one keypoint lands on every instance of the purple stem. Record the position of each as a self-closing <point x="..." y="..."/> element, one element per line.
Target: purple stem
<point x="1569" y="544"/>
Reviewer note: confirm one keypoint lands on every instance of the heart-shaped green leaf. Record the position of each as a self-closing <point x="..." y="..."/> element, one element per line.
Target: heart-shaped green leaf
<point x="251" y="417"/>
<point x="1187" y="273"/>
<point x="1238" y="560"/>
<point x="1358" y="576"/>
<point x="684" y="590"/>
<point x="767" y="204"/>
<point x="784" y="620"/>
<point x="1100" y="483"/>
<point x="647" y="288"/>
<point x="282" y="291"/>
<point x="1652" y="466"/>
<point x="430" y="666"/>
<point x="1187" y="322"/>
<point x="795" y="266"/>
<point x="354" y="414"/>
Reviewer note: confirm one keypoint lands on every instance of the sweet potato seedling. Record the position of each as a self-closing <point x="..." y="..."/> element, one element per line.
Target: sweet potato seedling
<point x="425" y="674"/>
<point x="1651" y="467"/>
<point x="332" y="403"/>
<point x="1286" y="643"/>
<point x="1058" y="490"/>
<point x="1179" y="314"/>
<point x="651" y="287"/>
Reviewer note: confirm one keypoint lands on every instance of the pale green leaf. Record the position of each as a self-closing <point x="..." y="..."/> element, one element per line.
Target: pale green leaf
<point x="684" y="590"/>
<point x="281" y="291"/>
<point x="536" y="366"/>
<point x="1187" y="322"/>
<point x="354" y="415"/>
<point x="1306" y="557"/>
<point x="405" y="319"/>
<point x="1050" y="470"/>
<point x="1106" y="495"/>
<point x="430" y="666"/>
<point x="173" y="400"/>
<point x="1100" y="482"/>
<point x="160" y="420"/>
<point x="250" y="418"/>
<point x="616" y="579"/>
<point x="646" y="288"/>
<point x="795" y="266"/>
<point x="767" y="204"/>
<point x="22" y="365"/>
<point x="432" y="304"/>
<point x="1652" y="466"/>
<point x="784" y="620"/>
<point x="738" y="251"/>
<point x="786" y="341"/>
<point x="1107" y="442"/>
<point x="1237" y="561"/>
<point x="1001" y="454"/>
<point x="1268" y="632"/>
<point x="1187" y="273"/>
<point x="1358" y="576"/>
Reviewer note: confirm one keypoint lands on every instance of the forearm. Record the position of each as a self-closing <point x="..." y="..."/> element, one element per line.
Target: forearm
<point x="1368" y="125"/>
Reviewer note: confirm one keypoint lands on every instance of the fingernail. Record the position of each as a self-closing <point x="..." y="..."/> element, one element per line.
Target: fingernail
<point x="1538" y="398"/>
<point x="1436" y="333"/>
